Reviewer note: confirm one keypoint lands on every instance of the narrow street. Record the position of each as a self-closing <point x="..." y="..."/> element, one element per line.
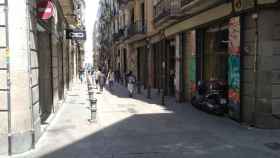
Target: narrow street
<point x="140" y="128"/>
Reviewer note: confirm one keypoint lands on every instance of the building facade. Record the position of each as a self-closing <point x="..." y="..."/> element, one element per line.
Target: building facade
<point x="38" y="65"/>
<point x="172" y="44"/>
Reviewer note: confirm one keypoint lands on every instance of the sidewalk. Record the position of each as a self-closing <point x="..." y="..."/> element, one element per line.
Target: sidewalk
<point x="140" y="128"/>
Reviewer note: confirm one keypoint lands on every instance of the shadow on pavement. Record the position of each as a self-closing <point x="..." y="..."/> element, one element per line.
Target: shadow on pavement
<point x="183" y="132"/>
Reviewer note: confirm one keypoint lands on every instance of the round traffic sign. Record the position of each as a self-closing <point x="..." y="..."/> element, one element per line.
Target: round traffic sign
<point x="45" y="9"/>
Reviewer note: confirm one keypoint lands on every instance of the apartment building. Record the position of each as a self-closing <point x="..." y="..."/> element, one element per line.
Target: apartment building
<point x="37" y="67"/>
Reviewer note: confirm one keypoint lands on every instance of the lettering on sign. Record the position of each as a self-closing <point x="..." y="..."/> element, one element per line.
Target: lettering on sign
<point x="76" y="34"/>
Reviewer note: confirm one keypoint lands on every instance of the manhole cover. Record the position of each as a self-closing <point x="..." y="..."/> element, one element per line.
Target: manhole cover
<point x="273" y="146"/>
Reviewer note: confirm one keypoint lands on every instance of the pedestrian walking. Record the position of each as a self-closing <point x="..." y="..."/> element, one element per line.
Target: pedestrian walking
<point x="110" y="79"/>
<point x="131" y="80"/>
<point x="93" y="77"/>
<point x="117" y="76"/>
<point x="101" y="80"/>
<point x="81" y="74"/>
<point x="98" y="72"/>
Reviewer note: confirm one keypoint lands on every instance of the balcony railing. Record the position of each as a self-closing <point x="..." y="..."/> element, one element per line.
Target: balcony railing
<point x="138" y="27"/>
<point x="167" y="8"/>
<point x="117" y="36"/>
<point x="185" y="2"/>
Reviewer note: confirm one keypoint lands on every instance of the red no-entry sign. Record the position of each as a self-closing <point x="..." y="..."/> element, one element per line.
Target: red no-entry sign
<point x="45" y="9"/>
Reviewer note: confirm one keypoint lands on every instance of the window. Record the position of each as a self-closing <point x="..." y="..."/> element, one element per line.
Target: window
<point x="216" y="53"/>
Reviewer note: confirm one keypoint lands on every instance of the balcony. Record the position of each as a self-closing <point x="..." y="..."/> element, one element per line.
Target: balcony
<point x="137" y="28"/>
<point x="116" y="37"/>
<point x="119" y="35"/>
<point x="186" y="2"/>
<point x="167" y="10"/>
<point x="191" y="7"/>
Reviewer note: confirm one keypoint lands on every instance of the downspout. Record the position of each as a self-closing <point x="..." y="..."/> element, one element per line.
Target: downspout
<point x="8" y="79"/>
<point x="29" y="19"/>
<point x="255" y="17"/>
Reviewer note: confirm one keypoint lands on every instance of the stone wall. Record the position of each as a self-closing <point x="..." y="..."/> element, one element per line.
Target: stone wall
<point x="260" y="77"/>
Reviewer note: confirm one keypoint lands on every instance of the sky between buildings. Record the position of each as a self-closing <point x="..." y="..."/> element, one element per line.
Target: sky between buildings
<point x="90" y="18"/>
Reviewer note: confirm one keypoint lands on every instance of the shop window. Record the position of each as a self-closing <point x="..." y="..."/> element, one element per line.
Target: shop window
<point x="216" y="53"/>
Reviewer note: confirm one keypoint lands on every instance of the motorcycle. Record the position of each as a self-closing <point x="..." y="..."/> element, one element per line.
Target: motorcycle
<point x="211" y="97"/>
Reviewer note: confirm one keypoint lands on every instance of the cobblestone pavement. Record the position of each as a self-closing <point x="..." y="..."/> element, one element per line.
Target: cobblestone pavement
<point x="141" y="128"/>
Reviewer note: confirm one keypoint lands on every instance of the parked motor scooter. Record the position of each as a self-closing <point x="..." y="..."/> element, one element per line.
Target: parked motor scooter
<point x="211" y="97"/>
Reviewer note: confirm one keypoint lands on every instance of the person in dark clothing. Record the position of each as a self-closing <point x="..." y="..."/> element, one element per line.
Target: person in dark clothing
<point x="101" y="80"/>
<point x="81" y="74"/>
<point x="131" y="80"/>
<point x="117" y="76"/>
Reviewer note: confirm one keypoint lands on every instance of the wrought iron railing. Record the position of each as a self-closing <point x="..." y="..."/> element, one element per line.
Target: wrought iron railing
<point x="185" y="2"/>
<point x="117" y="36"/>
<point x="138" y="27"/>
<point x="165" y="8"/>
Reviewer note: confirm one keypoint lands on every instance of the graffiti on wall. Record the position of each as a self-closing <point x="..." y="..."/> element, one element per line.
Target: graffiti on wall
<point x="234" y="68"/>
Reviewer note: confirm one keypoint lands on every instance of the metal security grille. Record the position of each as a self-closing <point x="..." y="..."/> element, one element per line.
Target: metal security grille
<point x="5" y="86"/>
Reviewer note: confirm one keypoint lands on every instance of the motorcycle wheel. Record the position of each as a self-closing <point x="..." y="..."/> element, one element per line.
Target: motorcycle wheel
<point x="193" y="100"/>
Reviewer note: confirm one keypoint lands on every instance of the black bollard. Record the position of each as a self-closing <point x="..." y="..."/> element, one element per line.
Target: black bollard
<point x="90" y="94"/>
<point x="93" y="110"/>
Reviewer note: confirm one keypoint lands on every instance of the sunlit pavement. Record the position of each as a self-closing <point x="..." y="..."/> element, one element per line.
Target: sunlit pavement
<point x="140" y="128"/>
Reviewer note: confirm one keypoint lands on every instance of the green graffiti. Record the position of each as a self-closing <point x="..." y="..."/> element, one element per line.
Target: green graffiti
<point x="192" y="69"/>
<point x="234" y="72"/>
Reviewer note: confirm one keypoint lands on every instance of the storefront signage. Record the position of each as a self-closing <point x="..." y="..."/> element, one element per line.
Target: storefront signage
<point x="240" y="5"/>
<point x="45" y="9"/>
<point x="76" y="34"/>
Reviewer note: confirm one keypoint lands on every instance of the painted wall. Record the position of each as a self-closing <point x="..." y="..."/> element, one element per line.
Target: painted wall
<point x="234" y="68"/>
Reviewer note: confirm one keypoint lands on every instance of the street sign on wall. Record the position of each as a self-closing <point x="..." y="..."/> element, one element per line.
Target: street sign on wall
<point x="75" y="34"/>
<point x="45" y="9"/>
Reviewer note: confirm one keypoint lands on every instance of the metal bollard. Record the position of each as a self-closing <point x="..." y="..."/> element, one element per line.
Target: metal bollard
<point x="90" y="86"/>
<point x="90" y="94"/>
<point x="93" y="110"/>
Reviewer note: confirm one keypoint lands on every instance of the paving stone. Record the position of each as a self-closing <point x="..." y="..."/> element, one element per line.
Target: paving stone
<point x="141" y="128"/>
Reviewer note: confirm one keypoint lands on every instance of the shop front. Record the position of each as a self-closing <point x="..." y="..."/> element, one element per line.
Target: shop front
<point x="218" y="60"/>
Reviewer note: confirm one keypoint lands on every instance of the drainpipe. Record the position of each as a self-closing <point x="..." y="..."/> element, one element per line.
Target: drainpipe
<point x="28" y="17"/>
<point x="164" y="68"/>
<point x="255" y="17"/>
<point x="8" y="79"/>
<point x="149" y="68"/>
